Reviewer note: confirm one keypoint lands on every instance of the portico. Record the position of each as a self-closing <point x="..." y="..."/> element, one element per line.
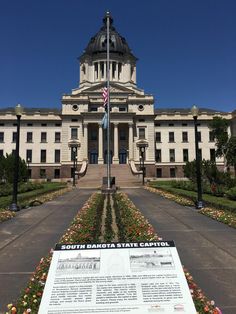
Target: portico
<point x="95" y="142"/>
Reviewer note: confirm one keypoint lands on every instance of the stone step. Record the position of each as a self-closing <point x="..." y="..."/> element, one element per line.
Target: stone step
<point x="122" y="173"/>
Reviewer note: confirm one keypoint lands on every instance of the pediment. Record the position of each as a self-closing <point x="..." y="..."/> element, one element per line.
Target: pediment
<point x="114" y="89"/>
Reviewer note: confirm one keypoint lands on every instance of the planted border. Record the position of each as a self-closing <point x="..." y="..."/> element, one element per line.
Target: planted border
<point x="85" y="228"/>
<point x="222" y="215"/>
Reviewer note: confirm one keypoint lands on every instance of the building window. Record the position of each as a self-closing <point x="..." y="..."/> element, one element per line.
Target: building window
<point x="29" y="137"/>
<point x="159" y="173"/>
<point x="43" y="137"/>
<point x="199" y="136"/>
<point x="43" y="124"/>
<point x="43" y="155"/>
<point x="57" y="173"/>
<point x="212" y="154"/>
<point x="1" y="153"/>
<point x="141" y="133"/>
<point x="57" y="137"/>
<point x="14" y="135"/>
<point x="122" y="109"/>
<point x="171" y="137"/>
<point x="29" y="155"/>
<point x="172" y="173"/>
<point x="29" y="124"/>
<point x="57" y="124"/>
<point x="158" y="155"/>
<point x="172" y="155"/>
<point x="13" y="152"/>
<point x="96" y="70"/>
<point x="171" y="124"/>
<point x="185" y="137"/>
<point x="211" y="136"/>
<point x="42" y="173"/>
<point x="158" y="137"/>
<point x="57" y="155"/>
<point x="185" y="155"/>
<point x="122" y="135"/>
<point x="74" y="133"/>
<point x="1" y="137"/>
<point x="119" y="70"/>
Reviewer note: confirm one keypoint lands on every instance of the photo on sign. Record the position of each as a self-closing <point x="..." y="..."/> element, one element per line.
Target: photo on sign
<point x="81" y="262"/>
<point x="147" y="259"/>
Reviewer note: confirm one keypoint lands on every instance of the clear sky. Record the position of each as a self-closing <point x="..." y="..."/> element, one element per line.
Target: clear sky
<point x="186" y="49"/>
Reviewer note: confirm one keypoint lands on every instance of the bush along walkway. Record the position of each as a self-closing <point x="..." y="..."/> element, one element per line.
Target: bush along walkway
<point x="102" y="218"/>
<point x="223" y="215"/>
<point x="34" y="199"/>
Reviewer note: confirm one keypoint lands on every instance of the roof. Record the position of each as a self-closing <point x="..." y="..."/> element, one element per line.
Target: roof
<point x="32" y="110"/>
<point x="185" y="111"/>
<point x="98" y="43"/>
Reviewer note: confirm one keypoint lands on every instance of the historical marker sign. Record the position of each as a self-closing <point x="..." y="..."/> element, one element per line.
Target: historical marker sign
<point x="135" y="278"/>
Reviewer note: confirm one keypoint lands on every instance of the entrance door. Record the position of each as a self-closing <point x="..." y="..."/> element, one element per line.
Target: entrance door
<point x="93" y="157"/>
<point x="122" y="156"/>
<point x="105" y="156"/>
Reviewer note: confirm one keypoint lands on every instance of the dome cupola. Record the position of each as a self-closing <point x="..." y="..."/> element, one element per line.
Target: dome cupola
<point x="93" y="62"/>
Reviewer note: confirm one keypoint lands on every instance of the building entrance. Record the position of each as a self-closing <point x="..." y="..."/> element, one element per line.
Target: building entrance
<point x="105" y="156"/>
<point x="93" y="156"/>
<point x="122" y="156"/>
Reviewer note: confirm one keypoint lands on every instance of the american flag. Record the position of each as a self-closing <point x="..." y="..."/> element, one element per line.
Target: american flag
<point x="105" y="97"/>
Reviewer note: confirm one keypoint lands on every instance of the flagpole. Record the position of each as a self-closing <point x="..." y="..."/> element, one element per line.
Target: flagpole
<point x="108" y="105"/>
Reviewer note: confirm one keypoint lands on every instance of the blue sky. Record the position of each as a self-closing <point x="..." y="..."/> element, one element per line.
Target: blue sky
<point x="186" y="49"/>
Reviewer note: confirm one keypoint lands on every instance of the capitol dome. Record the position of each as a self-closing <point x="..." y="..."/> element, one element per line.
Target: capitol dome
<point x="98" y="43"/>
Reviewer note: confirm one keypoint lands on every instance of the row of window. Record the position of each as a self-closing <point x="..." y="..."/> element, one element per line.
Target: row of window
<point x="29" y="137"/>
<point x="43" y="173"/>
<point x="158" y="155"/>
<point x="184" y="137"/>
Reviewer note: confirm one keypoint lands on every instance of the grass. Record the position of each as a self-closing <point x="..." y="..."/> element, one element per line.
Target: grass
<point x="210" y="200"/>
<point x="25" y="198"/>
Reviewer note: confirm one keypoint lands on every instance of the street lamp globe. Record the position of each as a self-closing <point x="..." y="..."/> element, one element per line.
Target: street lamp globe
<point x="18" y="110"/>
<point x="194" y="111"/>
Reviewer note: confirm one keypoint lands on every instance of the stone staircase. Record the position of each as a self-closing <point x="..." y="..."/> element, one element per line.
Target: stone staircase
<point x="122" y="173"/>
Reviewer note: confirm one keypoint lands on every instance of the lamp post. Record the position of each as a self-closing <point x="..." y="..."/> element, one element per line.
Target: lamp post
<point x="13" y="206"/>
<point x="73" y="145"/>
<point x="28" y="176"/>
<point x="74" y="149"/>
<point x="142" y="146"/>
<point x="199" y="202"/>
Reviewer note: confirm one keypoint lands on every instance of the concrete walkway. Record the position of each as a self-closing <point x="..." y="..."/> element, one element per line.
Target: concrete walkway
<point x="30" y="236"/>
<point x="206" y="247"/>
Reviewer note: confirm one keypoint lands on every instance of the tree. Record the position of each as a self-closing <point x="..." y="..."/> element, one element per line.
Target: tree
<point x="219" y="127"/>
<point x="231" y="153"/>
<point x="7" y="168"/>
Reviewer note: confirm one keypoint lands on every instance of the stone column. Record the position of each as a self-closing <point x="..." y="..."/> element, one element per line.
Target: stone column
<point x="116" y="144"/>
<point x="85" y="141"/>
<point x="131" y="142"/>
<point x="100" y="144"/>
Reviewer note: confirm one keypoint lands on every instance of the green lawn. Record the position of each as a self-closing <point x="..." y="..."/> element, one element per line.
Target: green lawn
<point x="210" y="200"/>
<point x="24" y="198"/>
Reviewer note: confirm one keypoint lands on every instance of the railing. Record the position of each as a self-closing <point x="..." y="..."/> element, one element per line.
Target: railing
<point x="83" y="169"/>
<point x="134" y="169"/>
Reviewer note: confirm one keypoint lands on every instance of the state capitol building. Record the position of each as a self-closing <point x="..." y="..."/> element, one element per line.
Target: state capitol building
<point x="47" y="136"/>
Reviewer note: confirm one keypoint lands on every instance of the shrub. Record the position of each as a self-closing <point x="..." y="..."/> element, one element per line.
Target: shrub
<point x="231" y="194"/>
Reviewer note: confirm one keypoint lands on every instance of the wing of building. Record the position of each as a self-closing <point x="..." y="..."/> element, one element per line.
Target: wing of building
<point x="49" y="136"/>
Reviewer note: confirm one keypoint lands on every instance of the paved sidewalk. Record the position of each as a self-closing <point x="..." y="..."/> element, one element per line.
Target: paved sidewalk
<point x="30" y="236"/>
<point x="206" y="247"/>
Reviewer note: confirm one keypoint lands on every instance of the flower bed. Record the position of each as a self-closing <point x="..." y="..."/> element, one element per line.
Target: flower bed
<point x="85" y="228"/>
<point x="5" y="215"/>
<point x="222" y="215"/>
